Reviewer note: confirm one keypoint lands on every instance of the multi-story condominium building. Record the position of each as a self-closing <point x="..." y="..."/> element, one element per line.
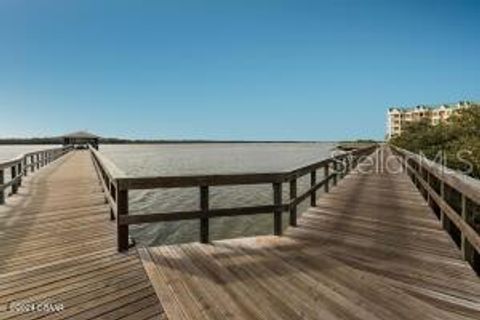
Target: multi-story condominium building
<point x="398" y="117"/>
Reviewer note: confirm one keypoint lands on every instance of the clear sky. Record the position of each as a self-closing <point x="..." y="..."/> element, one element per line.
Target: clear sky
<point x="313" y="70"/>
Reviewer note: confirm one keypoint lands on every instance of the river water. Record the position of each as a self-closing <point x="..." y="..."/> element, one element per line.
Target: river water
<point x="190" y="159"/>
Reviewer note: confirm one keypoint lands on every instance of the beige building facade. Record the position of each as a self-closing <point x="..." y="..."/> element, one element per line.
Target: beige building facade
<point x="397" y="118"/>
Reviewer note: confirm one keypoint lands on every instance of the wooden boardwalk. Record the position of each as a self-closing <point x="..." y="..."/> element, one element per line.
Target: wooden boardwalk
<point x="370" y="249"/>
<point x="58" y="245"/>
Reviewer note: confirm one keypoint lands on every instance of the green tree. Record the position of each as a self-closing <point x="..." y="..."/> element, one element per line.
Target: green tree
<point x="457" y="140"/>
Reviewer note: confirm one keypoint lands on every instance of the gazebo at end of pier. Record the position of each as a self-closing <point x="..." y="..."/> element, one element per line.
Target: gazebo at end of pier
<point x="81" y="139"/>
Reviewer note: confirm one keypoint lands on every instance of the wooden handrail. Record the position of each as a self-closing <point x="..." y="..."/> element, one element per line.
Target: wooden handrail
<point x="109" y="175"/>
<point x="19" y="167"/>
<point x="117" y="185"/>
<point x="188" y="181"/>
<point x="423" y="172"/>
<point x="109" y="166"/>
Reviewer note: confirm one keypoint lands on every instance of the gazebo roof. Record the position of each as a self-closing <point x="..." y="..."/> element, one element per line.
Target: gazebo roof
<point x="81" y="134"/>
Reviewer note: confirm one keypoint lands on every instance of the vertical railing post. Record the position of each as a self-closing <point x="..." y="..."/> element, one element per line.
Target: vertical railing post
<point x="277" y="212"/>
<point x="37" y="156"/>
<point x="110" y="191"/>
<point x="122" y="210"/>
<point x="25" y="168"/>
<point x="326" y="173"/>
<point x="2" y="181"/>
<point x="293" y="205"/>
<point x="204" y="223"/>
<point x="464" y="218"/>
<point x="19" y="173"/>
<point x="429" y="184"/>
<point x="313" y="182"/>
<point x="113" y="193"/>
<point x="442" y="195"/>
<point x="13" y="176"/>
<point x="32" y="163"/>
<point x="354" y="160"/>
<point x="108" y="184"/>
<point x="340" y="167"/>
<point x="335" y="172"/>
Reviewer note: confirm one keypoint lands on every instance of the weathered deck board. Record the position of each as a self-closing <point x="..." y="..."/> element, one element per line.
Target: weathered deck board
<point x="370" y="249"/>
<point x="57" y="242"/>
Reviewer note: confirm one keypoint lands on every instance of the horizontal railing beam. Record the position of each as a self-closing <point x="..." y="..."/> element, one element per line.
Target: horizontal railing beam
<point x="20" y="158"/>
<point x="195" y="181"/>
<point x="462" y="183"/>
<point x="300" y="172"/>
<point x="19" y="167"/>
<point x="308" y="193"/>
<point x="107" y="165"/>
<point x="11" y="163"/>
<point x="11" y="182"/>
<point x="132" y="183"/>
<point x="115" y="182"/>
<point x="457" y="220"/>
<point x="197" y="214"/>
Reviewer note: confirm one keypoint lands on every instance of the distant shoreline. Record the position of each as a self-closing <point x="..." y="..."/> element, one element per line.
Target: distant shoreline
<point x="55" y="141"/>
<point x="122" y="141"/>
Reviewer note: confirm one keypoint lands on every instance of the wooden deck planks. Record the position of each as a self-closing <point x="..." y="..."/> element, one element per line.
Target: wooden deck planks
<point x="370" y="249"/>
<point x="57" y="242"/>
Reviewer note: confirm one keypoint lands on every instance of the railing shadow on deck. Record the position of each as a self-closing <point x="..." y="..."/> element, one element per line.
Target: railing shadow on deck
<point x="353" y="199"/>
<point x="293" y="248"/>
<point x="357" y="196"/>
<point x="282" y="249"/>
<point x="21" y="167"/>
<point x="24" y="164"/>
<point x="261" y="260"/>
<point x="403" y="245"/>
<point x="117" y="184"/>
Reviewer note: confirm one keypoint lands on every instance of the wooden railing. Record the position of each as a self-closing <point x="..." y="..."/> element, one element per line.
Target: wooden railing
<point x="117" y="186"/>
<point x="454" y="197"/>
<point x="23" y="164"/>
<point x="109" y="175"/>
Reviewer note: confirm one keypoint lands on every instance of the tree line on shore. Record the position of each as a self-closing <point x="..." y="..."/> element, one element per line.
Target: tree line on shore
<point x="456" y="142"/>
<point x="59" y="140"/>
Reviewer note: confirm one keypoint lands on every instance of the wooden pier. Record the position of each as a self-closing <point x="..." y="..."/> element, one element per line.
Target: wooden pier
<point x="58" y="245"/>
<point x="370" y="247"/>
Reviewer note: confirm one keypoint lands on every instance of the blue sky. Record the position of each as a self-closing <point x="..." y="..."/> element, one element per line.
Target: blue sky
<point x="296" y="70"/>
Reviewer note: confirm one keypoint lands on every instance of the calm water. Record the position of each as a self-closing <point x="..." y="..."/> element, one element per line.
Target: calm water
<point x="9" y="152"/>
<point x="188" y="159"/>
